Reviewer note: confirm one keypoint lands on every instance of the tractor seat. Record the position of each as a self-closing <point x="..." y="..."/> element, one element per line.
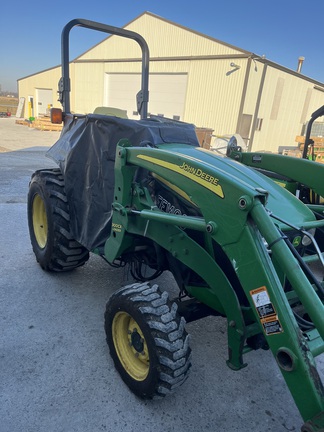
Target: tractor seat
<point x="109" y="111"/>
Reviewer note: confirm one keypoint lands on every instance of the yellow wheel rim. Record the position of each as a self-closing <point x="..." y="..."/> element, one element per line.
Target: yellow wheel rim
<point x="130" y="346"/>
<point x="39" y="221"/>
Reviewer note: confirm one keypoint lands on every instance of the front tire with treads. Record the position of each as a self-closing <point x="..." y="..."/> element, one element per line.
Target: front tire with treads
<point x="49" y="223"/>
<point x="147" y="340"/>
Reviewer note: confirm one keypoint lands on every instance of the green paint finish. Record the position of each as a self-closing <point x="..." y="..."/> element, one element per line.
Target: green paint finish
<point x="300" y="170"/>
<point x="236" y="205"/>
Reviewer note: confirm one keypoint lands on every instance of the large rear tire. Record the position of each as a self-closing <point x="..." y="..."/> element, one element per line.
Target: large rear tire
<point x="49" y="223"/>
<point x="147" y="340"/>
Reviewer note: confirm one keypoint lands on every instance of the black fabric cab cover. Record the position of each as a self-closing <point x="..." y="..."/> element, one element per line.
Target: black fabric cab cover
<point x="85" y="154"/>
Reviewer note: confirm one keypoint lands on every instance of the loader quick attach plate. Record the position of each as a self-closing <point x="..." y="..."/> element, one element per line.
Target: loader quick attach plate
<point x="86" y="152"/>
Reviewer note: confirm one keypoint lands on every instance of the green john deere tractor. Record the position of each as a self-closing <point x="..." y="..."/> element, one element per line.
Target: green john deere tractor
<point x="144" y="193"/>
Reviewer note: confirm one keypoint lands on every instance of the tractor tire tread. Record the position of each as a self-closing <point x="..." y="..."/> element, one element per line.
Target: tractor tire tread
<point x="168" y="334"/>
<point x="64" y="253"/>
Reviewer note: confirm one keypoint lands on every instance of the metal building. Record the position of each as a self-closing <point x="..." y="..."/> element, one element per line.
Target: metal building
<point x="193" y="78"/>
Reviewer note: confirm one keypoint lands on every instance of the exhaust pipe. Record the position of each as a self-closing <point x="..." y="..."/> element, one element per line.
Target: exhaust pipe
<point x="300" y="64"/>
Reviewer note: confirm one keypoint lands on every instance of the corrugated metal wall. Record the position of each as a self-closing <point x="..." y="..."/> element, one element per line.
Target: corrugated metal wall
<point x="209" y="82"/>
<point x="87" y="87"/>
<point x="214" y="94"/>
<point x="165" y="40"/>
<point x="287" y="101"/>
<point x="45" y="80"/>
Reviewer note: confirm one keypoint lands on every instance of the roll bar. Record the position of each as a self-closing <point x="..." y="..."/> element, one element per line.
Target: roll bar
<point x="318" y="113"/>
<point x="64" y="83"/>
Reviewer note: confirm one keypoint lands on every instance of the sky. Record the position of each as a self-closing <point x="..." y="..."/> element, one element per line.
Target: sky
<point x="282" y="30"/>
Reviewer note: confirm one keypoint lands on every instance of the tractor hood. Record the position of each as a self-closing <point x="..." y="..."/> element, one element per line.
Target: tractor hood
<point x="235" y="179"/>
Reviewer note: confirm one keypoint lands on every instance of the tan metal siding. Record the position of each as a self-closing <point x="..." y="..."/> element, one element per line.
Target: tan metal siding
<point x="164" y="40"/>
<point x="209" y="82"/>
<point x="44" y="80"/>
<point x="214" y="94"/>
<point x="88" y="85"/>
<point x="167" y="40"/>
<point x="87" y="88"/>
<point x="282" y="110"/>
<point x="253" y="87"/>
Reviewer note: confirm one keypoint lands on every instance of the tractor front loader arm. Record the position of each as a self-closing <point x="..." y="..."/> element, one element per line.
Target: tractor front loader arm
<point x="291" y="348"/>
<point x="302" y="171"/>
<point x="237" y="208"/>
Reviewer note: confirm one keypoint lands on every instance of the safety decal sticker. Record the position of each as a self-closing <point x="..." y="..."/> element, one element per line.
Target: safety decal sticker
<point x="271" y="325"/>
<point x="266" y="311"/>
<point x="262" y="302"/>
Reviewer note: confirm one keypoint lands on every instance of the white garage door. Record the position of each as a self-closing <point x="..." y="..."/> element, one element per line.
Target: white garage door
<point x="44" y="101"/>
<point x="167" y="94"/>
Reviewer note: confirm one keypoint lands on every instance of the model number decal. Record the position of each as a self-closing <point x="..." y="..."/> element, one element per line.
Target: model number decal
<point x="166" y="206"/>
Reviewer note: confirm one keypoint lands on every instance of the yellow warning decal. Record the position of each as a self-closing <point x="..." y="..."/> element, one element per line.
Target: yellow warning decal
<point x="195" y="174"/>
<point x="271" y="325"/>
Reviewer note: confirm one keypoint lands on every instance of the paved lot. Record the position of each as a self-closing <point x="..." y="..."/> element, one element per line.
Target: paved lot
<point x="56" y="374"/>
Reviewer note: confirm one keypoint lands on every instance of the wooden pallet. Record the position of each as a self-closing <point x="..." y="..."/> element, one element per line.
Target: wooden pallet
<point x="318" y="141"/>
<point x="44" y="123"/>
<point x="23" y="122"/>
<point x="41" y="123"/>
